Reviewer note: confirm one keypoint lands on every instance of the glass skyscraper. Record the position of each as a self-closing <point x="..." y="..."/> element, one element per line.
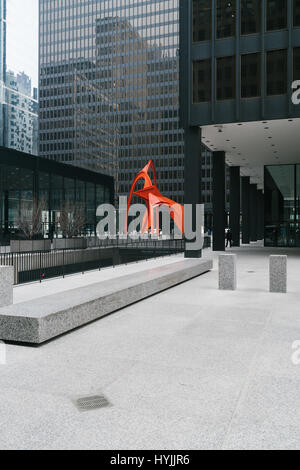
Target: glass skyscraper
<point x="109" y="94"/>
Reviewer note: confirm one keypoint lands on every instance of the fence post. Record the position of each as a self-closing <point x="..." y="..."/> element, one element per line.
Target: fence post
<point x="63" y="263"/>
<point x="40" y="266"/>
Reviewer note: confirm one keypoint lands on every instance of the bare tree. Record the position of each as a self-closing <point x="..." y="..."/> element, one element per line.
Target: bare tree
<point x="30" y="221"/>
<point x="72" y="219"/>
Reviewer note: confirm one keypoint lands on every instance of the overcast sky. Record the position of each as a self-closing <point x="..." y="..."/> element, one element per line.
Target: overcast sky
<point x="22" y="37"/>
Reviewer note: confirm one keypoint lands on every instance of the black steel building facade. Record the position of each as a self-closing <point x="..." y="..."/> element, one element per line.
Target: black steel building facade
<point x="238" y="60"/>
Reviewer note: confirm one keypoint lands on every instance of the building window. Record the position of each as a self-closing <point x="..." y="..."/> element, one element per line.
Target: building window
<point x="296" y="12"/>
<point x="226" y="79"/>
<point x="277" y="72"/>
<point x="280" y="205"/>
<point x="250" y="16"/>
<point x="201" y="20"/>
<point x="226" y="15"/>
<point x="296" y="64"/>
<point x="250" y="75"/>
<point x="202" y="81"/>
<point x="276" y="14"/>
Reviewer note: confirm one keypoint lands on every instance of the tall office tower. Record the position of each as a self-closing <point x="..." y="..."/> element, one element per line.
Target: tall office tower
<point x="109" y="88"/>
<point x="2" y="63"/>
<point x="20" y="119"/>
<point x="18" y="106"/>
<point x="239" y="61"/>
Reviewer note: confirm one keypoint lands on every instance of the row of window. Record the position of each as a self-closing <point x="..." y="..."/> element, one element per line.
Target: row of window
<point x="250" y="75"/>
<point x="251" y="11"/>
<point x="123" y="56"/>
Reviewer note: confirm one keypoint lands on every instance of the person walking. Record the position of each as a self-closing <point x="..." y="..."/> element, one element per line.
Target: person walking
<point x="228" y="238"/>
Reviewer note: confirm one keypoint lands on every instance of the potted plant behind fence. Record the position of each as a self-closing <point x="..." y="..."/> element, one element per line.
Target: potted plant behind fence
<point x="30" y="227"/>
<point x="71" y="221"/>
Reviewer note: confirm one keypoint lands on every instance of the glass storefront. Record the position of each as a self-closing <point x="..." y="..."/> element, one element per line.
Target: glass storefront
<point x="26" y="181"/>
<point x="282" y="205"/>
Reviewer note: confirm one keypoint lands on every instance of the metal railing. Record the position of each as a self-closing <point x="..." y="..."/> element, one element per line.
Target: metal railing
<point x="33" y="266"/>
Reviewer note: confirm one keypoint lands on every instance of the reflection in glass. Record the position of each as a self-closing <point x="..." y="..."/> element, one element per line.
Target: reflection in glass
<point x="226" y="16"/>
<point x="201" y="20"/>
<point x="69" y="187"/>
<point x="296" y="12"/>
<point x="90" y="205"/>
<point x="19" y="195"/>
<point x="202" y="81"/>
<point x="277" y="72"/>
<point x="226" y="80"/>
<point x="276" y="14"/>
<point x="99" y="195"/>
<point x="297" y="205"/>
<point x="250" y="16"/>
<point x="109" y="87"/>
<point x="80" y="191"/>
<point x="21" y="188"/>
<point x="44" y="197"/>
<point x="250" y="75"/>
<point x="56" y="198"/>
<point x="296" y="63"/>
<point x="280" y="205"/>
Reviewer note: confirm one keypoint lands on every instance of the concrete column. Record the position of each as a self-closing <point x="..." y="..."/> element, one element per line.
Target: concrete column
<point x="235" y="204"/>
<point x="263" y="213"/>
<point x="192" y="177"/>
<point x="219" y="214"/>
<point x="253" y="212"/>
<point x="262" y="219"/>
<point x="260" y="215"/>
<point x="246" y="210"/>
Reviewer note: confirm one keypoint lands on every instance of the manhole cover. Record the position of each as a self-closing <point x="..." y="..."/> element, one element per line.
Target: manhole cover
<point x="91" y="403"/>
<point x="251" y="272"/>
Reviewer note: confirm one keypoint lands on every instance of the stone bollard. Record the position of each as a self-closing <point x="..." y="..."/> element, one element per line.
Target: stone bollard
<point x="227" y="272"/>
<point x="6" y="285"/>
<point x="278" y="273"/>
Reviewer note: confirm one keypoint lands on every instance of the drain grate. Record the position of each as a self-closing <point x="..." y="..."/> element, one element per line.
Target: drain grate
<point x="251" y="272"/>
<point x="91" y="403"/>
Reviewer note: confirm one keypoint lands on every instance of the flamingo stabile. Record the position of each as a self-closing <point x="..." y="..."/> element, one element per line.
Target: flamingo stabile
<point x="154" y="200"/>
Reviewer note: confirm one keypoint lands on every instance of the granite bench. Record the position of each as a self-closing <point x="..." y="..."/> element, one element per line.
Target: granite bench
<point x="45" y="318"/>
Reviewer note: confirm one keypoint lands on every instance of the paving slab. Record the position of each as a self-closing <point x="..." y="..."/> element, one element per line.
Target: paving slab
<point x="190" y="368"/>
<point x="44" y="318"/>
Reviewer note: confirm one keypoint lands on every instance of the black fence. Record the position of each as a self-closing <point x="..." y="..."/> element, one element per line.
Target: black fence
<point x="33" y="266"/>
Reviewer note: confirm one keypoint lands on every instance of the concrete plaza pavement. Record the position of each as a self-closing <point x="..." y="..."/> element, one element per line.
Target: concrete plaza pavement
<point x="190" y="368"/>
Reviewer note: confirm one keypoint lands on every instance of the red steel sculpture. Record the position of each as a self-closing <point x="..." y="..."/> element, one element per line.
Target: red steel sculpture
<point x="154" y="200"/>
